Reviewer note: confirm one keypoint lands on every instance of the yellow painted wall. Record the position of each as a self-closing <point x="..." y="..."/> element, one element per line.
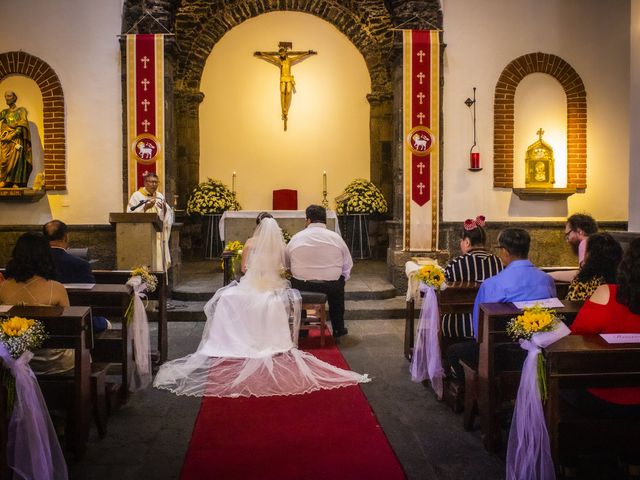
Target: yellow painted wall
<point x="240" y="118"/>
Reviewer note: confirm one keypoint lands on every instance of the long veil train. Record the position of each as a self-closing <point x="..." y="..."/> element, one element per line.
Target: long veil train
<point x="247" y="347"/>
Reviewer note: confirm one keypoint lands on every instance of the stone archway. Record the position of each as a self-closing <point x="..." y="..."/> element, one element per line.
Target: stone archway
<point x="503" y="114"/>
<point x="199" y="29"/>
<point x="22" y="63"/>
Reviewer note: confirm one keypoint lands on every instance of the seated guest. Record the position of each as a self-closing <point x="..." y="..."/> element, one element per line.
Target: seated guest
<point x="519" y="281"/>
<point x="30" y="282"/>
<point x="576" y="231"/>
<point x="611" y="309"/>
<point x="69" y="268"/>
<point x="320" y="261"/>
<point x="474" y="265"/>
<point x="601" y="261"/>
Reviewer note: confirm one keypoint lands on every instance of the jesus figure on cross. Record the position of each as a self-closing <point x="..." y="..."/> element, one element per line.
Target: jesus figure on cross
<point x="285" y="59"/>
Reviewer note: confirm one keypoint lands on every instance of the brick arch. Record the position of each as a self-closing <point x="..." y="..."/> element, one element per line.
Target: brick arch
<point x="368" y="27"/>
<point x="54" y="138"/>
<point x="503" y="116"/>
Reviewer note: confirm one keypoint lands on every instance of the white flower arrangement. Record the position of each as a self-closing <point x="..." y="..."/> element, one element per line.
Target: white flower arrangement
<point x="211" y="197"/>
<point x="364" y="197"/>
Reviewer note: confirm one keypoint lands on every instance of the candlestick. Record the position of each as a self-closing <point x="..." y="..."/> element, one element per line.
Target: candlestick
<point x="324" y="181"/>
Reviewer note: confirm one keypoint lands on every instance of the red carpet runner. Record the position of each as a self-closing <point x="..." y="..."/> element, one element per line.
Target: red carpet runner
<point x="329" y="434"/>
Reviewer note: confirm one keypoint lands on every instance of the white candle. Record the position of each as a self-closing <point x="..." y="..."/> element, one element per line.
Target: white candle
<point x="233" y="183"/>
<point x="324" y="181"/>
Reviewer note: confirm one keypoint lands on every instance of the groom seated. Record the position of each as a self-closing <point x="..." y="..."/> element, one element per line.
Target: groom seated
<point x="519" y="281"/>
<point x="320" y="261"/>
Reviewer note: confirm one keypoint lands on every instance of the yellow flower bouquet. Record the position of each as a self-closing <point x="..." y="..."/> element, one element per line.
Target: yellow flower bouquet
<point x="363" y="197"/>
<point x="534" y="320"/>
<point x="432" y="276"/>
<point x="149" y="279"/>
<point x="18" y="335"/>
<point x="235" y="247"/>
<point x="211" y="197"/>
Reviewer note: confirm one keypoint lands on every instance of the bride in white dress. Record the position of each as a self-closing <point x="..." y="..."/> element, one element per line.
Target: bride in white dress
<point x="247" y="346"/>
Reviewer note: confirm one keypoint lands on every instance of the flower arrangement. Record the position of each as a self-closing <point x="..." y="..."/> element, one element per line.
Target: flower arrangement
<point x="534" y="320"/>
<point x="363" y="197"/>
<point x="211" y="197"/>
<point x="18" y="335"/>
<point x="432" y="276"/>
<point x="149" y="280"/>
<point x="286" y="236"/>
<point x="235" y="247"/>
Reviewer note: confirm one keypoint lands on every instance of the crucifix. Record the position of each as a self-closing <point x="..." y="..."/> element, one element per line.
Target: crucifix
<point x="284" y="59"/>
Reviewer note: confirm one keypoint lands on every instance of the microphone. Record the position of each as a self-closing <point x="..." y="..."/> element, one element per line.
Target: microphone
<point x="142" y="202"/>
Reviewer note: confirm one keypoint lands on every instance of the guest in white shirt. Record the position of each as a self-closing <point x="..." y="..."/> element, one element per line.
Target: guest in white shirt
<point x="320" y="261"/>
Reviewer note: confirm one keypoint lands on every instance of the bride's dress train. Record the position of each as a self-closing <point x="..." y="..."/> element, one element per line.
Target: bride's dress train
<point x="247" y="347"/>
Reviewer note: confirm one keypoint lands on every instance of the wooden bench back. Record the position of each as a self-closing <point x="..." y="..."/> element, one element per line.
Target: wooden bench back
<point x="67" y="327"/>
<point x="492" y="333"/>
<point x="582" y="361"/>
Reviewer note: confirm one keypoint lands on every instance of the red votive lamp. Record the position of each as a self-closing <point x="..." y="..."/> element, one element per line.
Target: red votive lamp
<point x="475" y="160"/>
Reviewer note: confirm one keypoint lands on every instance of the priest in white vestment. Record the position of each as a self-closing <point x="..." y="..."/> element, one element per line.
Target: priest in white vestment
<point x="149" y="200"/>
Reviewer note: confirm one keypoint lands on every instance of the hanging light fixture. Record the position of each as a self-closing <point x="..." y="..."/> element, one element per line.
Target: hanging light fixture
<point x="474" y="156"/>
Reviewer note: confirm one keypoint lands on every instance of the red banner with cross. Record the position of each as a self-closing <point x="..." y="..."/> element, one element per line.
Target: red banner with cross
<point x="145" y="108"/>
<point x="421" y="138"/>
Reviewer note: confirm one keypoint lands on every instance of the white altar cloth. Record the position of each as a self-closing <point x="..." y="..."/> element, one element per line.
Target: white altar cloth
<point x="290" y="220"/>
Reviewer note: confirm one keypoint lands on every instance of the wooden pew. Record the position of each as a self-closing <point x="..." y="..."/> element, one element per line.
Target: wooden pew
<point x="458" y="297"/>
<point x="581" y="361"/>
<point x="110" y="346"/>
<point x="67" y="327"/>
<point x="159" y="295"/>
<point x="493" y="383"/>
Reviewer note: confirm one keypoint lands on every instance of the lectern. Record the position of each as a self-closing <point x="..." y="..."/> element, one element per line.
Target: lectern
<point x="137" y="240"/>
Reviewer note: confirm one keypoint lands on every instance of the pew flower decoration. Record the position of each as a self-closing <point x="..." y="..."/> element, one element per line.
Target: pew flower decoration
<point x="149" y="280"/>
<point x="534" y="320"/>
<point x="211" y="197"/>
<point x="362" y="196"/>
<point x="286" y="236"/>
<point x="18" y="335"/>
<point x="432" y="276"/>
<point x="235" y="247"/>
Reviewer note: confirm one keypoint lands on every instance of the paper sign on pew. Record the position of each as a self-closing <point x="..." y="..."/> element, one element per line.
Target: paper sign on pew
<point x="621" y="337"/>
<point x="543" y="302"/>
<point x="79" y="286"/>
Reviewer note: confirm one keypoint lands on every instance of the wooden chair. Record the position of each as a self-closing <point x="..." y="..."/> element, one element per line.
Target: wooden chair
<point x="582" y="361"/>
<point x="492" y="383"/>
<point x="314" y="305"/>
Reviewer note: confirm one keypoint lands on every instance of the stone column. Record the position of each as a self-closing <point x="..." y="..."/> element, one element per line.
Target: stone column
<point x="187" y="109"/>
<point x="381" y="138"/>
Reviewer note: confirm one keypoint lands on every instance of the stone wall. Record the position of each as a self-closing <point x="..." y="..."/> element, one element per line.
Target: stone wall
<point x="548" y="246"/>
<point x="99" y="239"/>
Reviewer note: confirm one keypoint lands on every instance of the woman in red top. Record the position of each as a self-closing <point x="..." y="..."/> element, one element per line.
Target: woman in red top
<point x="613" y="309"/>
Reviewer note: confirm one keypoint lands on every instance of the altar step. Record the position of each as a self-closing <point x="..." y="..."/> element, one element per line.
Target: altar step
<point x="368" y="294"/>
<point x="389" y="308"/>
<point x="200" y="280"/>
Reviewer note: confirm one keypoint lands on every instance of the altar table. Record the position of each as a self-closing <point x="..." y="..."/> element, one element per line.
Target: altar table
<point x="239" y="225"/>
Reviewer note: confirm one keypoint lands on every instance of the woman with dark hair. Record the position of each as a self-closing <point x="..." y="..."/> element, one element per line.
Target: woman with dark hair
<point x="612" y="309"/>
<point x="29" y="282"/>
<point x="474" y="265"/>
<point x="248" y="245"/>
<point x="602" y="256"/>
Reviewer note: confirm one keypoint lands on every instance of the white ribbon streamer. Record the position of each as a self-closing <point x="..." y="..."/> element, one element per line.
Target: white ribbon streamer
<point x="528" y="451"/>
<point x="426" y="361"/>
<point x="140" y="376"/>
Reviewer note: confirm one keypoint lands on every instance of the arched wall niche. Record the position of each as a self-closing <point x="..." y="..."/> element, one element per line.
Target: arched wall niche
<point x="503" y="123"/>
<point x="53" y="115"/>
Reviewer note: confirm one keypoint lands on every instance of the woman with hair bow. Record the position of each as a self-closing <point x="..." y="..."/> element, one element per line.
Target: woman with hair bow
<point x="474" y="265"/>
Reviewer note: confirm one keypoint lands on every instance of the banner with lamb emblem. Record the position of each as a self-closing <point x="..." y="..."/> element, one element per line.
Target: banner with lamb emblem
<point x="145" y="108"/>
<point x="421" y="133"/>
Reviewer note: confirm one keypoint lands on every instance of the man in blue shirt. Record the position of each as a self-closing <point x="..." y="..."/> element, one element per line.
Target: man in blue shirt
<point x="520" y="280"/>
